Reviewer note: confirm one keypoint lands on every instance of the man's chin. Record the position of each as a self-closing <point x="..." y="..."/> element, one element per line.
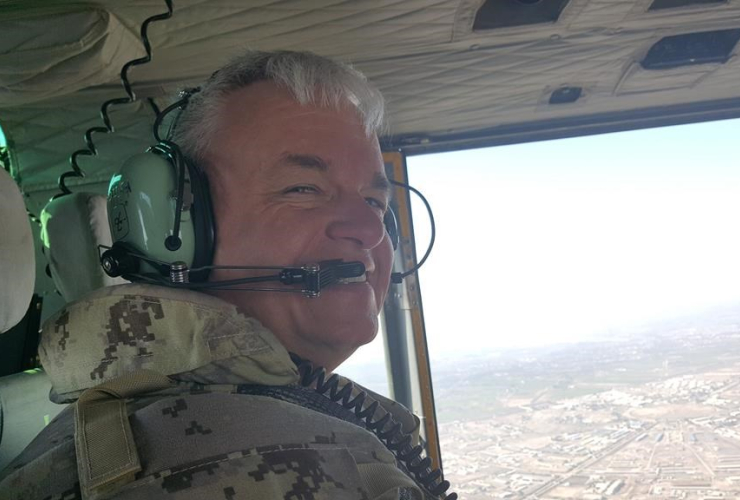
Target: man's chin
<point x="362" y="287"/>
<point x="348" y="316"/>
<point x="340" y="320"/>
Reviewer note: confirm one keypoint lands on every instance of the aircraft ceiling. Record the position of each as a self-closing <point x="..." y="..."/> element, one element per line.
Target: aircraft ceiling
<point x="446" y="83"/>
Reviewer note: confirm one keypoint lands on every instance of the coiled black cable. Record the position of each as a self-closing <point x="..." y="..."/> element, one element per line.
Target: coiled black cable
<point x="180" y="105"/>
<point x="386" y="428"/>
<point x="91" y="150"/>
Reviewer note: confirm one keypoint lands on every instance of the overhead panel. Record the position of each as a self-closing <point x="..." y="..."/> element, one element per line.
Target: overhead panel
<point x="565" y="95"/>
<point x="691" y="49"/>
<point x="495" y="14"/>
<point x="674" y="4"/>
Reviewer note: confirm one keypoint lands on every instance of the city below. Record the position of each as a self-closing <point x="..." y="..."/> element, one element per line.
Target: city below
<point x="646" y="415"/>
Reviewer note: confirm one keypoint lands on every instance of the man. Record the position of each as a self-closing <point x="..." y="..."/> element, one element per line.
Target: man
<point x="182" y="395"/>
<point x="296" y="177"/>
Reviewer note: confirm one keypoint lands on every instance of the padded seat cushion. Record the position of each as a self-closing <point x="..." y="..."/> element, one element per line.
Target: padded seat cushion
<point x="72" y="228"/>
<point x="17" y="267"/>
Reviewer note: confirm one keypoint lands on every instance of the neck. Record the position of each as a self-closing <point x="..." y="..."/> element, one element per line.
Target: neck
<point x="317" y="356"/>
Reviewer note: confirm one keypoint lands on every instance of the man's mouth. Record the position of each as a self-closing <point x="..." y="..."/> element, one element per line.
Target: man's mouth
<point x="336" y="272"/>
<point x="357" y="279"/>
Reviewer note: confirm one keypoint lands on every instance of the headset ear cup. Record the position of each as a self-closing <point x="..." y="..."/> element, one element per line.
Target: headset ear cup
<point x="142" y="212"/>
<point x="391" y="227"/>
<point x="204" y="227"/>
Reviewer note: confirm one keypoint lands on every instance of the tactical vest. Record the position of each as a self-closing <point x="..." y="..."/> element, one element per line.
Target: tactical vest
<point x="177" y="395"/>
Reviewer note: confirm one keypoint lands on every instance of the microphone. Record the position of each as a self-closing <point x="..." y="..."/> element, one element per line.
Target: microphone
<point x="309" y="279"/>
<point x="315" y="277"/>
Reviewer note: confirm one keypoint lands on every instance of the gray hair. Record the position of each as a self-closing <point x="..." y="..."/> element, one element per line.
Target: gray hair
<point x="310" y="78"/>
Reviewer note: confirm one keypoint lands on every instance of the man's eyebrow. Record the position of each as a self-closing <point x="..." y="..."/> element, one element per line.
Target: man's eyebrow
<point x="379" y="181"/>
<point x="305" y="161"/>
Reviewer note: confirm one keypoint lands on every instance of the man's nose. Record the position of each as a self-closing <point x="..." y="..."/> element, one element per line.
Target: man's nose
<point x="359" y="222"/>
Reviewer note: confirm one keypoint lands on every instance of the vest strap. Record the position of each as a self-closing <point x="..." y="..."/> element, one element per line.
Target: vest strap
<point x="107" y="458"/>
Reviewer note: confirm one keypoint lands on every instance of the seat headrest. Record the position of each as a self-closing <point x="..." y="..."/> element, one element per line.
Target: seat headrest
<point x="17" y="266"/>
<point x="72" y="227"/>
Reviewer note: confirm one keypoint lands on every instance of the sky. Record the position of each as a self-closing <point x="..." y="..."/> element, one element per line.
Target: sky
<point x="562" y="241"/>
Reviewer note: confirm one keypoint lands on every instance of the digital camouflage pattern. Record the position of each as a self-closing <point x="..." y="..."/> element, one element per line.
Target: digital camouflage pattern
<point x="198" y="437"/>
<point x="116" y="330"/>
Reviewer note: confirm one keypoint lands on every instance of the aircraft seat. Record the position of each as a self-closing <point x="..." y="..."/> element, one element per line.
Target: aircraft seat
<point x="17" y="266"/>
<point x="24" y="397"/>
<point x="72" y="228"/>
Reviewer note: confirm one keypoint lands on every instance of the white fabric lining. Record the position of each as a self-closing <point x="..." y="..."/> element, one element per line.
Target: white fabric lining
<point x="72" y="228"/>
<point x="17" y="265"/>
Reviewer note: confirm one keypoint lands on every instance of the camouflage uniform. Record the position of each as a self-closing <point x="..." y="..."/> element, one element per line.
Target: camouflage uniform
<point x="194" y="433"/>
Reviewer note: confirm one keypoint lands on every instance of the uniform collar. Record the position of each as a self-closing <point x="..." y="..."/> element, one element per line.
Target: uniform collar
<point x="179" y="333"/>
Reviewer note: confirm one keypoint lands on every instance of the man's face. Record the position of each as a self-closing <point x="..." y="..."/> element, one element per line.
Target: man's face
<point x="295" y="185"/>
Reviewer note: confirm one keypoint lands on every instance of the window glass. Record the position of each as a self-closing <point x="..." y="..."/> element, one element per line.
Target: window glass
<point x="582" y="310"/>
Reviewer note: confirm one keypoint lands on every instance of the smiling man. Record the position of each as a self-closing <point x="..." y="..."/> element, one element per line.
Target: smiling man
<point x="180" y="394"/>
<point x="295" y="183"/>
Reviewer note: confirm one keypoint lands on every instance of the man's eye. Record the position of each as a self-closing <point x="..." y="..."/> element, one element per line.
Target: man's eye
<point x="379" y="204"/>
<point x="301" y="190"/>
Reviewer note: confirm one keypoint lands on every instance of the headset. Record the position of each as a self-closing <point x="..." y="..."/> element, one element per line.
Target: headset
<point x="160" y="213"/>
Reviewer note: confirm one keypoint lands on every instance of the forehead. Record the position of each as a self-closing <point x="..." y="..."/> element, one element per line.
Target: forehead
<point x="262" y="125"/>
